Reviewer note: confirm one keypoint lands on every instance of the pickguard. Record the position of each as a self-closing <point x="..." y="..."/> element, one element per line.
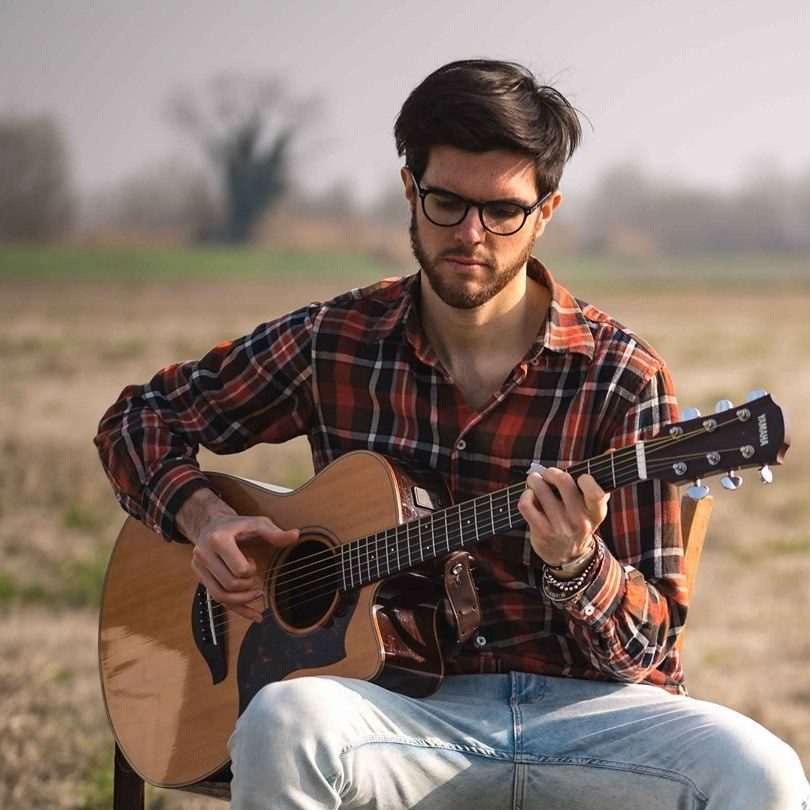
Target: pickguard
<point x="270" y="652"/>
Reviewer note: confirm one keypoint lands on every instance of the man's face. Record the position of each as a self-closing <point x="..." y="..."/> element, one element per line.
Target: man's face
<point x="465" y="264"/>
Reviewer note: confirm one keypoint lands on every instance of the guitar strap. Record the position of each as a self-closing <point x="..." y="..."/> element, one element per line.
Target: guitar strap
<point x="462" y="608"/>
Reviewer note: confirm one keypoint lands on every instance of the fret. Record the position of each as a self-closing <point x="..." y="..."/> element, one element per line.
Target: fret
<point x="492" y="515"/>
<point x="396" y="546"/>
<point x="408" y="545"/>
<point x="457" y="519"/>
<point x="468" y="521"/>
<point x="387" y="551"/>
<point x="352" y="552"/>
<point x="425" y="543"/>
<point x="433" y="538"/>
<point x="368" y="559"/>
<point x="343" y="564"/>
<point x="475" y="518"/>
<point x="512" y="509"/>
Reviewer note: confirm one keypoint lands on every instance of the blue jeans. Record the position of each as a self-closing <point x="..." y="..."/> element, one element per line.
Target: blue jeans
<point x="486" y="742"/>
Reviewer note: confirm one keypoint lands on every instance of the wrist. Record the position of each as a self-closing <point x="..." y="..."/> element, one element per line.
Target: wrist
<point x="200" y="508"/>
<point x="573" y="565"/>
<point x="560" y="589"/>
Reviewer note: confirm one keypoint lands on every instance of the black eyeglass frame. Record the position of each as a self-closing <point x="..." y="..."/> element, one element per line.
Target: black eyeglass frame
<point x="527" y="209"/>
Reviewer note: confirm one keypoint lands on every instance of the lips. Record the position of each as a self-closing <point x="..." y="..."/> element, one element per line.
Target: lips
<point x="465" y="261"/>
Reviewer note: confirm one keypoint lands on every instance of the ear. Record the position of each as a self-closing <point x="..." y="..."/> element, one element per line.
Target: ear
<point x="547" y="210"/>
<point x="551" y="204"/>
<point x="407" y="181"/>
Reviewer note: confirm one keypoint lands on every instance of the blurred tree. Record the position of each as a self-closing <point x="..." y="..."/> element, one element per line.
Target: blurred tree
<point x="245" y="125"/>
<point x="36" y="197"/>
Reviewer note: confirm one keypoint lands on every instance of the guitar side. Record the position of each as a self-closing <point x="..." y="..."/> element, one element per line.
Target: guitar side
<point x="169" y="718"/>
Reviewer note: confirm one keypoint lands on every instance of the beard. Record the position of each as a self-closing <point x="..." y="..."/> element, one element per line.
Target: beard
<point x="460" y="297"/>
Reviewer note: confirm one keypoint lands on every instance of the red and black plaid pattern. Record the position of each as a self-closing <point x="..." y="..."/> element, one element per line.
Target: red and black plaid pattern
<point x="356" y="373"/>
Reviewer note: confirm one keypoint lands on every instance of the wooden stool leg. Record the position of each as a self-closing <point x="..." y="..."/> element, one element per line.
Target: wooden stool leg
<point x="127" y="785"/>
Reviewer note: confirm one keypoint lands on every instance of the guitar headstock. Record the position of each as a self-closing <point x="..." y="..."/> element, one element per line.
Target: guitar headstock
<point x="736" y="437"/>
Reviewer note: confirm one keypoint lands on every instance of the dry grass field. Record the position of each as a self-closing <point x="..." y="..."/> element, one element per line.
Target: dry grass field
<point x="69" y="348"/>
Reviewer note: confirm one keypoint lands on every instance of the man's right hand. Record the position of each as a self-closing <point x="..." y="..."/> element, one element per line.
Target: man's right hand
<point x="216" y="531"/>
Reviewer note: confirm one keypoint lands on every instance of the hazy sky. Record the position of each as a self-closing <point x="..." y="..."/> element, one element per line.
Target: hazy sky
<point x="701" y="90"/>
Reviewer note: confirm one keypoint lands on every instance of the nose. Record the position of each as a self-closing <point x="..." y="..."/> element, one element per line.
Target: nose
<point x="470" y="230"/>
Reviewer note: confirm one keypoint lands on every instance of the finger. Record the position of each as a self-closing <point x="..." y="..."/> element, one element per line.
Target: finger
<point x="547" y="501"/>
<point x="528" y="506"/>
<point x="594" y="496"/>
<point x="222" y="544"/>
<point x="236" y="603"/>
<point x="565" y="485"/>
<point x="228" y="580"/>
<point x="263" y="528"/>
<point x="220" y="591"/>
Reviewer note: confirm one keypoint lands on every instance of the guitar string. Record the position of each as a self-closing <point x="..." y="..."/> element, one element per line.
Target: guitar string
<point x="627" y="459"/>
<point x="332" y="572"/>
<point x="334" y="584"/>
<point x="468" y="507"/>
<point x="333" y="588"/>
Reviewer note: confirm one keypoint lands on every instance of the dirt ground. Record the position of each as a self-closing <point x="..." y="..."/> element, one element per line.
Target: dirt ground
<point x="68" y="349"/>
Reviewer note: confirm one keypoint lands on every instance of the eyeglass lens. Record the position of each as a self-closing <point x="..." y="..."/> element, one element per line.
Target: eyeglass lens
<point x="498" y="217"/>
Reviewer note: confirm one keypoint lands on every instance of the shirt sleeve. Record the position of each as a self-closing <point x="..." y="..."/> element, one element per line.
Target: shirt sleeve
<point x="254" y="389"/>
<point x="629" y="616"/>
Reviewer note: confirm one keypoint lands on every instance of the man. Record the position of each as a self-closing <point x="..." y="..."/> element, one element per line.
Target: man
<point x="571" y="694"/>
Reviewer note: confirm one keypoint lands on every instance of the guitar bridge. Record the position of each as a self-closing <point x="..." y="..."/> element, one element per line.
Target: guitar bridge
<point x="208" y="629"/>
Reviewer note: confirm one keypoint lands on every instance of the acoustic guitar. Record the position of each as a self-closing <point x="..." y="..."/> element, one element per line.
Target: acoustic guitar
<point x="349" y="598"/>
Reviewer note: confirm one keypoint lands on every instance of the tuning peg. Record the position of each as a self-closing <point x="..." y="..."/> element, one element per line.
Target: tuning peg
<point x="731" y="481"/>
<point x="756" y="394"/>
<point x="723" y="405"/>
<point x="765" y="474"/>
<point x="698" y="491"/>
<point x="690" y="413"/>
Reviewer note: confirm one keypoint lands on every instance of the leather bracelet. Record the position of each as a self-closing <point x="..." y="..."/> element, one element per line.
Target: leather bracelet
<point x="567" y="590"/>
<point x="567" y="566"/>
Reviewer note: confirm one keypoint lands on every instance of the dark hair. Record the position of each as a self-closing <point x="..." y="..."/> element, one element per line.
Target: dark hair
<point x="483" y="104"/>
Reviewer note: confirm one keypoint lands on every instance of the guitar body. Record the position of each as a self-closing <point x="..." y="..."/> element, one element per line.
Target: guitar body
<point x="171" y="708"/>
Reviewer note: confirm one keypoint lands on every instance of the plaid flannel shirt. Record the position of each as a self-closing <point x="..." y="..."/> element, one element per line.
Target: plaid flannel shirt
<point x="357" y="373"/>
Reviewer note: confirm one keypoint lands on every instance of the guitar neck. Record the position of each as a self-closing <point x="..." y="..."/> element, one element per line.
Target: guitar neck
<point x="408" y="545"/>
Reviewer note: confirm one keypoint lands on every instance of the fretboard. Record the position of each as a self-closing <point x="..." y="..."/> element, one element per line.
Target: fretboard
<point x="408" y="545"/>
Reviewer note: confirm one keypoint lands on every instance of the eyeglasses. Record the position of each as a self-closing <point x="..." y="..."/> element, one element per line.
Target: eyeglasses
<point x="501" y="217"/>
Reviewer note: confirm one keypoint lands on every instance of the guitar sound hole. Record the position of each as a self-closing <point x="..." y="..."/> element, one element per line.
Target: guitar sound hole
<point x="306" y="583"/>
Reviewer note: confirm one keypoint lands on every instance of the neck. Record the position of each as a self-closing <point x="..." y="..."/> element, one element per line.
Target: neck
<point x="407" y="545"/>
<point x="506" y="323"/>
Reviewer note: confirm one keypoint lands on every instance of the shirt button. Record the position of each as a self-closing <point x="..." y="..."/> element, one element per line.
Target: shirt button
<point x="589" y="610"/>
<point x="535" y="361"/>
<point x="461" y="444"/>
<point x="480" y="641"/>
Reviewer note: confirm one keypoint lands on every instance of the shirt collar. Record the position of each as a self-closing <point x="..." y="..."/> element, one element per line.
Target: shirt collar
<point x="565" y="329"/>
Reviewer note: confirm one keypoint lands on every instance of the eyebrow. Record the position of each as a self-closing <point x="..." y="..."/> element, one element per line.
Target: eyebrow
<point x="466" y="199"/>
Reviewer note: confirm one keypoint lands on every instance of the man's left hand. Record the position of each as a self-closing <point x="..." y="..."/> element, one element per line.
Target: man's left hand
<point x="562" y="514"/>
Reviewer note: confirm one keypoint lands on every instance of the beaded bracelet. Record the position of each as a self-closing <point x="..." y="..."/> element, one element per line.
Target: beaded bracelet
<point x="568" y="589"/>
